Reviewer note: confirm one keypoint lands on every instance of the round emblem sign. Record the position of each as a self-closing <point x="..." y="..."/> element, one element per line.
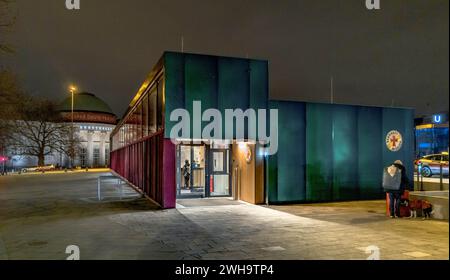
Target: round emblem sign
<point x="394" y="141"/>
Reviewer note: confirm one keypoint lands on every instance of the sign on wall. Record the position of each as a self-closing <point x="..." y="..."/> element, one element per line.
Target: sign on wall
<point x="394" y="140"/>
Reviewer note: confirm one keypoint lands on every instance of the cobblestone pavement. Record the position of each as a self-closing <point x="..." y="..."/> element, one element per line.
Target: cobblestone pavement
<point x="40" y="215"/>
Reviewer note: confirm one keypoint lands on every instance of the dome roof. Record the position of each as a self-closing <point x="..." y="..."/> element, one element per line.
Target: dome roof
<point x="85" y="102"/>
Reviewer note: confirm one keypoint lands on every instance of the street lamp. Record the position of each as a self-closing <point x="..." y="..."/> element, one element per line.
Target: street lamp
<point x="72" y="90"/>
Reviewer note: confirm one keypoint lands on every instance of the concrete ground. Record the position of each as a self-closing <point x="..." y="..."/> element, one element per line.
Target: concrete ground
<point x="42" y="214"/>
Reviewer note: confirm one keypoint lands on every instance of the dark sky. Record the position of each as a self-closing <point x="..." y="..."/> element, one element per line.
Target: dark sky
<point x="398" y="53"/>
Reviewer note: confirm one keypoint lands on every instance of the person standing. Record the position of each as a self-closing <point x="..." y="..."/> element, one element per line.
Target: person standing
<point x="186" y="173"/>
<point x="395" y="183"/>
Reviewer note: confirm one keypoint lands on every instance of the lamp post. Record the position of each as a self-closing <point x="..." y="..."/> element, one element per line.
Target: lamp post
<point x="72" y="90"/>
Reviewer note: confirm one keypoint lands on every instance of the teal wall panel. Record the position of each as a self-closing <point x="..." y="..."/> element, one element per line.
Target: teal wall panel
<point x="233" y="83"/>
<point x="369" y="154"/>
<point x="200" y="76"/>
<point x="174" y="85"/>
<point x="218" y="82"/>
<point x="345" y="147"/>
<point x="259" y="90"/>
<point x="290" y="158"/>
<point x="319" y="152"/>
<point x="259" y="87"/>
<point x="272" y="178"/>
<point x="233" y="86"/>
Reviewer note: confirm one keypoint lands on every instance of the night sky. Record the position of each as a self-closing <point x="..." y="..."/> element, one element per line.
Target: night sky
<point x="398" y="54"/>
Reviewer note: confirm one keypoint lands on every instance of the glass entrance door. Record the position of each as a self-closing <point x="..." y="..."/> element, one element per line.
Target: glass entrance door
<point x="191" y="165"/>
<point x="219" y="172"/>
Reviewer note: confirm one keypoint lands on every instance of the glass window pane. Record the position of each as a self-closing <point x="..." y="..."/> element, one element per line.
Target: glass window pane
<point x="152" y="110"/>
<point x="138" y="126"/>
<point x="96" y="155"/>
<point x="218" y="162"/>
<point x="145" y="116"/>
<point x="160" y="104"/>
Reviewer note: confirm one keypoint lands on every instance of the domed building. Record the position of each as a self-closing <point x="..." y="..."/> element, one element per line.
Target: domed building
<point x="93" y="121"/>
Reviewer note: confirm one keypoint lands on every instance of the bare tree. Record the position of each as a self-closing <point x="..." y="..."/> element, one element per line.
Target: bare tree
<point x="40" y="131"/>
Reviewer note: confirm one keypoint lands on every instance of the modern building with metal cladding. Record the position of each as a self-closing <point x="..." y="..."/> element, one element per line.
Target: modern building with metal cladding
<point x="325" y="152"/>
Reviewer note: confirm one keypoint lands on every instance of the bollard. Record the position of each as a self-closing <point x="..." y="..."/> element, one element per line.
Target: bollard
<point x="441" y="183"/>
<point x="416" y="188"/>
<point x="98" y="188"/>
<point x="421" y="179"/>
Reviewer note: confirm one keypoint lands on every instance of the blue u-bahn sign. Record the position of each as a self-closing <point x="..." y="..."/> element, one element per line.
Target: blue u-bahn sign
<point x="437" y="119"/>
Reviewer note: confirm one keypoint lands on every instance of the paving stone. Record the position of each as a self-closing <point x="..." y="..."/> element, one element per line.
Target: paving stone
<point x="41" y="216"/>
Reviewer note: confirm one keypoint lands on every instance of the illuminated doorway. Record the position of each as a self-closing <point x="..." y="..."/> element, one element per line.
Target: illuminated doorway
<point x="191" y="171"/>
<point x="203" y="170"/>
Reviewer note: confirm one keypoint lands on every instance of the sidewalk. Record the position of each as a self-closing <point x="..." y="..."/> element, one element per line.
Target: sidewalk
<point x="41" y="215"/>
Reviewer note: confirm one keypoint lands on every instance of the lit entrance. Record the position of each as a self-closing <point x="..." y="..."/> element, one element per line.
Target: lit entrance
<point x="191" y="168"/>
<point x="203" y="170"/>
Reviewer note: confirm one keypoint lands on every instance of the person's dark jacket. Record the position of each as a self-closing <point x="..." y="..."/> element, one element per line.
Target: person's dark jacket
<point x="404" y="180"/>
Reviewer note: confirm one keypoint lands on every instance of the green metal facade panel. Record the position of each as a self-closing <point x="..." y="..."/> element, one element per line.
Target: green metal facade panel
<point x="174" y="84"/>
<point x="259" y="92"/>
<point x="272" y="178"/>
<point x="233" y="83"/>
<point x="200" y="84"/>
<point x="218" y="82"/>
<point x="345" y="147"/>
<point x="369" y="154"/>
<point x="290" y="160"/>
<point x="319" y="152"/>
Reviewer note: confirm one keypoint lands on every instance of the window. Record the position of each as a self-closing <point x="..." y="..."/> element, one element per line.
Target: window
<point x="145" y="116"/>
<point x="152" y="110"/>
<point x="83" y="157"/>
<point x="96" y="155"/>
<point x="160" y="104"/>
<point x="433" y="157"/>
<point x="138" y="123"/>
<point x="107" y="154"/>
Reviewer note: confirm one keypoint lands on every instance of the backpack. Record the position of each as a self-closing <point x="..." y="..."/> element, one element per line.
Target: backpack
<point x="392" y="178"/>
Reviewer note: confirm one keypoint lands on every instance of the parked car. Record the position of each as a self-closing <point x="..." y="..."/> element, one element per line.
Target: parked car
<point x="29" y="169"/>
<point x="50" y="167"/>
<point x="431" y="164"/>
<point x="39" y="168"/>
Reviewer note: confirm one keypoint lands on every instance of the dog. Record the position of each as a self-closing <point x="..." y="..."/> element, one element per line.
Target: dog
<point x="414" y="205"/>
<point x="427" y="209"/>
